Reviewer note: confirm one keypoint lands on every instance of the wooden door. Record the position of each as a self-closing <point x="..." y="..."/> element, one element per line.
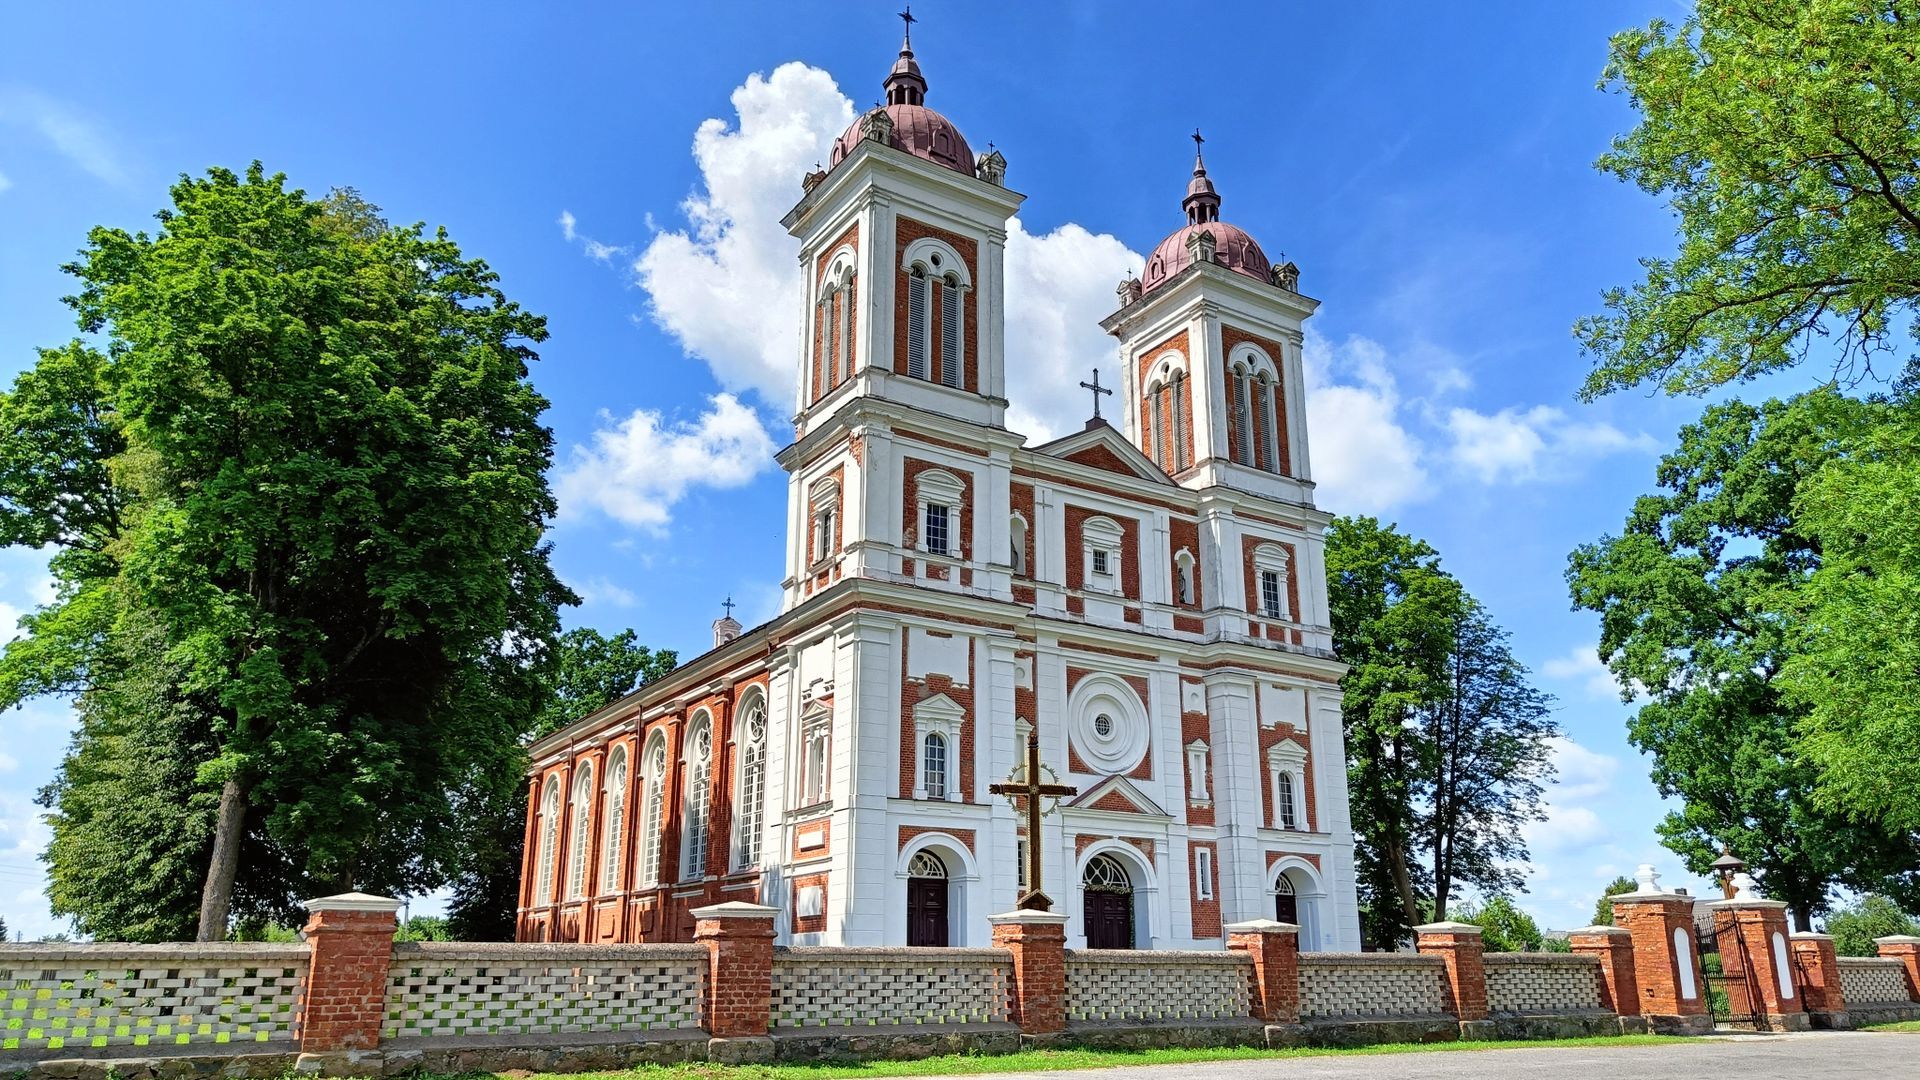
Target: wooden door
<point x="1286" y="908"/>
<point x="1109" y="919"/>
<point x="927" y="912"/>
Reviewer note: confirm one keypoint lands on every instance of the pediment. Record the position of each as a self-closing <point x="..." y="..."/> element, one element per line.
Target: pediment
<point x="1117" y="794"/>
<point x="1101" y="446"/>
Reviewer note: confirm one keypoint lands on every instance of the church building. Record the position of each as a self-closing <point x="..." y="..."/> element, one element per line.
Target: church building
<point x="1148" y="595"/>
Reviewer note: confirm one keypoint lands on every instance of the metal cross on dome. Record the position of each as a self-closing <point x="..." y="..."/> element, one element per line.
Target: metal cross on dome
<point x="1097" y="391"/>
<point x="729" y="605"/>
<point x="907" y="17"/>
<point x="1033" y="789"/>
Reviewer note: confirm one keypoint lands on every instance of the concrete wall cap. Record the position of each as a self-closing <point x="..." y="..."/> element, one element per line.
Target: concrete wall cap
<point x="1262" y="926"/>
<point x="1897" y="939"/>
<point x="353" y="901"/>
<point x="1737" y="902"/>
<point x="735" y="909"/>
<point x="1598" y="929"/>
<point x="1028" y="915"/>
<point x="1808" y="935"/>
<point x="1447" y="928"/>
<point x="1655" y="894"/>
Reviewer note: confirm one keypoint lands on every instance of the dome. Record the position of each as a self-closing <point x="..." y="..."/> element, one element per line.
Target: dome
<point x="917" y="130"/>
<point x="1234" y="249"/>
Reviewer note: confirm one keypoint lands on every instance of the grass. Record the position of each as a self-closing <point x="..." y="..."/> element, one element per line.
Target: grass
<point x="1050" y="1060"/>
<point x="1897" y="1025"/>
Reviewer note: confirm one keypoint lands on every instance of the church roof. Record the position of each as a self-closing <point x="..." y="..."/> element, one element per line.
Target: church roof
<point x="1100" y="446"/>
<point x="911" y="126"/>
<point x="1234" y="248"/>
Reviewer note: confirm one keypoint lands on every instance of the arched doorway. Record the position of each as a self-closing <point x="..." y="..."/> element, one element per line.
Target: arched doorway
<point x="1107" y="897"/>
<point x="927" y="900"/>
<point x="1286" y="904"/>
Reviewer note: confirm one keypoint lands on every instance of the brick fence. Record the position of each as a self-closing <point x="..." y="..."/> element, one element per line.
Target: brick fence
<point x="351" y="1001"/>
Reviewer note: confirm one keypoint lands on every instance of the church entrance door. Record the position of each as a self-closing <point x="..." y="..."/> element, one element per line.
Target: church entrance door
<point x="927" y="901"/>
<point x="1286" y="906"/>
<point x="1107" y="904"/>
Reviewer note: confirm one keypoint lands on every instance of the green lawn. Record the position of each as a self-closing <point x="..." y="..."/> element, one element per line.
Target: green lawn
<point x="1897" y="1025"/>
<point x="1046" y="1060"/>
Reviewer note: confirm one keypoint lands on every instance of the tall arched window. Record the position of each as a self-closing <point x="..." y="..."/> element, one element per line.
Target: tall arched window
<point x="1156" y="426"/>
<point x="582" y="819"/>
<point x="830" y="336"/>
<point x="846" y="294"/>
<point x="1182" y="457"/>
<point x="549" y="853"/>
<point x="614" y="820"/>
<point x="693" y="864"/>
<point x="752" y="788"/>
<point x="919" y="323"/>
<point x="654" y="776"/>
<point x="952" y="323"/>
<point x="933" y="760"/>
<point x="1017" y="541"/>
<point x="1242" y="416"/>
<point x="1270" y="430"/>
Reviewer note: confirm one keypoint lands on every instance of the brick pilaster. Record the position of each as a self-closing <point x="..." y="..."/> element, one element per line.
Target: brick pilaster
<point x="1038" y="942"/>
<point x="1614" y="948"/>
<point x="1275" y="949"/>
<point x="1752" y="935"/>
<point x="1460" y="946"/>
<point x="1666" y="961"/>
<point x="1906" y="949"/>
<point x="1817" y="972"/>
<point x="739" y="941"/>
<point x="349" y="956"/>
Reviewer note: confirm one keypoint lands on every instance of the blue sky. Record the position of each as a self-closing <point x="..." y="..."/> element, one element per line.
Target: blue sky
<point x="624" y="168"/>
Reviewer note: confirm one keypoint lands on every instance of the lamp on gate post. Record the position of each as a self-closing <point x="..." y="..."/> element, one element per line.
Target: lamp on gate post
<point x="1724" y="868"/>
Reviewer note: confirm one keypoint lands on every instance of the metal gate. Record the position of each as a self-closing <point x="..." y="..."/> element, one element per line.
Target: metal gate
<point x="1729" y="999"/>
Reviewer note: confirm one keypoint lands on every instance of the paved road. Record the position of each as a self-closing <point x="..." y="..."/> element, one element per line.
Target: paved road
<point x="1810" y="1056"/>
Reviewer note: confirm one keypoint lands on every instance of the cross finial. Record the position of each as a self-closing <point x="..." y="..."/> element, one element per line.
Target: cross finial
<point x="729" y="605"/>
<point x="1198" y="138"/>
<point x="1097" y="391"/>
<point x="1199" y="166"/>
<point x="907" y="18"/>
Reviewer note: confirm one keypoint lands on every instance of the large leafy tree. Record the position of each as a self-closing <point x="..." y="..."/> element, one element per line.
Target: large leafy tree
<point x="302" y="493"/>
<point x="1694" y="598"/>
<point x="1872" y="916"/>
<point x="589" y="671"/>
<point x="1786" y="136"/>
<point x="1603" y="907"/>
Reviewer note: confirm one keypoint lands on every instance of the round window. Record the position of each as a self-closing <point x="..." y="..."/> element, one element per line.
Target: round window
<point x="1103" y="726"/>
<point x="1109" y="724"/>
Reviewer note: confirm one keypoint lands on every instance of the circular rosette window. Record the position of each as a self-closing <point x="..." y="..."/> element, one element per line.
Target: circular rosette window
<point x="1108" y="724"/>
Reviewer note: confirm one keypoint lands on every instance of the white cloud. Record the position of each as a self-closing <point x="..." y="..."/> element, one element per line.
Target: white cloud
<point x="73" y="134"/>
<point x="1575" y="802"/>
<point x="1363" y="457"/>
<point x="638" y="467"/>
<point x="1582" y="664"/>
<point x="9" y="622"/>
<point x="1059" y="286"/>
<point x="567" y="222"/>
<point x="728" y="285"/>
<point x="1528" y="444"/>
<point x="602" y="590"/>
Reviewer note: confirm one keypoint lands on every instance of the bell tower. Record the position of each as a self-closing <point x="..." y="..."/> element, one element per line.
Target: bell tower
<point x="1210" y="341"/>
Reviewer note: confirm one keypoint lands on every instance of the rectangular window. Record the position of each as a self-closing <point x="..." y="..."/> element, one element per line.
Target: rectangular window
<point x="1197" y="773"/>
<point x="1020" y="859"/>
<point x="1289" y="816"/>
<point x="933" y="765"/>
<point x="1203" y="872"/>
<point x="1270" y="594"/>
<point x="1102" y="561"/>
<point x="918" y="318"/>
<point x="815" y="763"/>
<point x="952" y="318"/>
<point x="938" y="534"/>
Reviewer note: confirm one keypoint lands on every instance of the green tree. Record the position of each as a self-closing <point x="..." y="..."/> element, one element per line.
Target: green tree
<point x="1786" y="136"/>
<point x="1603" y="907"/>
<point x="309" y="463"/>
<point x="1872" y="916"/>
<point x="1693" y="598"/>
<point x="1504" y="927"/>
<point x="588" y="671"/>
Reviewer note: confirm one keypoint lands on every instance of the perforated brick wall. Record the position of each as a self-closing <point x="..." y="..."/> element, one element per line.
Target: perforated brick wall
<point x="1542" y="984"/>
<point x="1157" y="986"/>
<point x="460" y="990"/>
<point x="834" y="987"/>
<point x="1872" y="980"/>
<point x="1367" y="985"/>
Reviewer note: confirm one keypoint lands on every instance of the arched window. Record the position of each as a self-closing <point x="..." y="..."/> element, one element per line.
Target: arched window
<point x="830" y="336"/>
<point x="654" y="776"/>
<point x="925" y="864"/>
<point x="953" y="306"/>
<point x="699" y="795"/>
<point x="1105" y="874"/>
<point x="1183" y="577"/>
<point x="847" y="295"/>
<point x="1156" y="426"/>
<point x="1242" y="416"/>
<point x="1017" y="541"/>
<point x="582" y="818"/>
<point x="614" y="819"/>
<point x="1182" y="457"/>
<point x="1270" y="431"/>
<point x="933" y="760"/>
<point x="919" y="323"/>
<point x="753" y="786"/>
<point x="549" y="853"/>
<point x="1283" y="787"/>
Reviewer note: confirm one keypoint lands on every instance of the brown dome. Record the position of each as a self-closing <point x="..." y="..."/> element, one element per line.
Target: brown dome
<point x="919" y="131"/>
<point x="1234" y="250"/>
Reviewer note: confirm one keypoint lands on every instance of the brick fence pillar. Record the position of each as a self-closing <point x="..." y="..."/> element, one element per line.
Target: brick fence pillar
<point x="1906" y="949"/>
<point x="1275" y="949"/>
<point x="1459" y="944"/>
<point x="1817" y="971"/>
<point x="349" y="957"/>
<point x="1752" y="935"/>
<point x="1038" y="942"/>
<point x="1666" y="960"/>
<point x="739" y="941"/>
<point x="1620" y="991"/>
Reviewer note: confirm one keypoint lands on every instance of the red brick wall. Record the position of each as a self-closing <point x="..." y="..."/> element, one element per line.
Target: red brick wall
<point x="905" y="232"/>
<point x="811" y="924"/>
<point x="1252" y="576"/>
<point x="1177" y="342"/>
<point x="845" y="310"/>
<point x="826" y="575"/>
<point x="910" y="470"/>
<point x="1196" y="725"/>
<point x="908" y="832"/>
<point x="1076" y="519"/>
<point x="1231" y="336"/>
<point x="915" y="690"/>
<point x="1206" y="913"/>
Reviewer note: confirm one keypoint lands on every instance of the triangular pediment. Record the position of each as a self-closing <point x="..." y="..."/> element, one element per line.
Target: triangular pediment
<point x="1100" y="446"/>
<point x="1117" y="794"/>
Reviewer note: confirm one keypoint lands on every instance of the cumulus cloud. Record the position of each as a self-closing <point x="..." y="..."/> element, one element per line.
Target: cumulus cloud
<point x="1528" y="444"/>
<point x="73" y="134"/>
<point x="1364" y="458"/>
<point x="1059" y="286"/>
<point x="603" y="590"/>
<point x="9" y="622"/>
<point x="1583" y="782"/>
<point x="639" y="466"/>
<point x="1583" y="665"/>
<point x="728" y="285"/>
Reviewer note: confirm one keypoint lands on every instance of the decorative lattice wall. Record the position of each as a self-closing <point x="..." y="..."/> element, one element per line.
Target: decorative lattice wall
<point x="1336" y="986"/>
<point x="1872" y="980"/>
<point x="158" y="998"/>
<point x="462" y="991"/>
<point x="836" y="987"/>
<point x="1154" y="986"/>
<point x="1543" y="984"/>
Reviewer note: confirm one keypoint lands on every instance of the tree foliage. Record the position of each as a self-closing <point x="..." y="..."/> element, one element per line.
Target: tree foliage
<point x="303" y="490"/>
<point x="1872" y="916"/>
<point x="1786" y="136"/>
<point x="1504" y="927"/>
<point x="1694" y="598"/>
<point x="1603" y="907"/>
<point x="1446" y="741"/>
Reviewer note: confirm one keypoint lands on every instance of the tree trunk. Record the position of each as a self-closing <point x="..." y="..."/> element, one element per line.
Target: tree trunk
<point x="216" y="898"/>
<point x="1802" y="918"/>
<point x="1397" y="860"/>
